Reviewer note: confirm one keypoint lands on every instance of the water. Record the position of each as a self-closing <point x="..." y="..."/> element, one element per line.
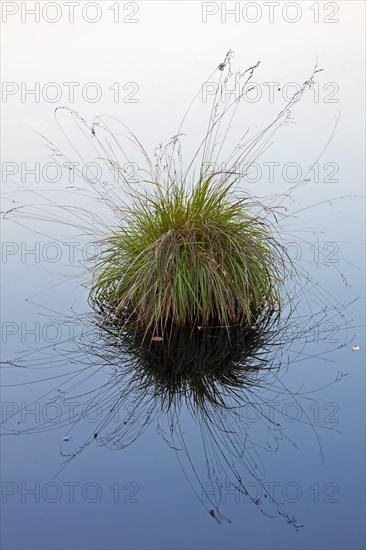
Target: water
<point x="297" y="441"/>
<point x="167" y="477"/>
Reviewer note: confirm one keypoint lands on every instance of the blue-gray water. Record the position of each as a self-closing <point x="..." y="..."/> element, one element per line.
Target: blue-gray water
<point x="305" y="444"/>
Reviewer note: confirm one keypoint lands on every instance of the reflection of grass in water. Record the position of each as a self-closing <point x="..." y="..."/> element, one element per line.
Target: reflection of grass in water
<point x="199" y="363"/>
<point x="196" y="384"/>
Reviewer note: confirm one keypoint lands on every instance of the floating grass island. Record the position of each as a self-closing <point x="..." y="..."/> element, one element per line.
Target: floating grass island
<point x="182" y="243"/>
<point x="190" y="257"/>
<point x="191" y="248"/>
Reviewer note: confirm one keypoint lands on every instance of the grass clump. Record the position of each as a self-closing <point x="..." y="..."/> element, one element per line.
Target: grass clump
<point x="190" y="249"/>
<point x="190" y="257"/>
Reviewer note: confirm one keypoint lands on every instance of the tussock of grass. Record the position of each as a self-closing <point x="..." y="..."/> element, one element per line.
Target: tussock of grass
<point x="189" y="250"/>
<point x="190" y="257"/>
